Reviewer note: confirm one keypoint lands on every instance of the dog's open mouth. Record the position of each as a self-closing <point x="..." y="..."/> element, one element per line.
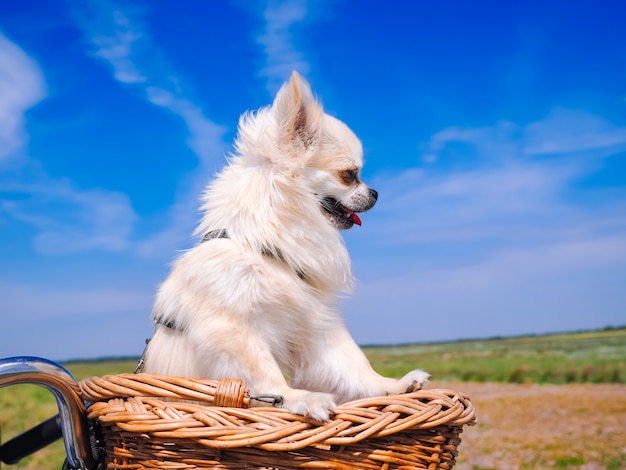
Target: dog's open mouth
<point x="343" y="217"/>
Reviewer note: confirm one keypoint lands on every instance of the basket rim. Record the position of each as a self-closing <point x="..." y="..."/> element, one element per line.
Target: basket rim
<point x="176" y="408"/>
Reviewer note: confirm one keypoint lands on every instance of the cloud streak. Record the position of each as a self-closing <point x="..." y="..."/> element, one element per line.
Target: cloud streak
<point x="566" y="131"/>
<point x="120" y="39"/>
<point x="505" y="189"/>
<point x="115" y="43"/>
<point x="67" y="219"/>
<point x="502" y="241"/>
<point x="281" y="54"/>
<point x="205" y="136"/>
<point x="512" y="291"/>
<point x="21" y="87"/>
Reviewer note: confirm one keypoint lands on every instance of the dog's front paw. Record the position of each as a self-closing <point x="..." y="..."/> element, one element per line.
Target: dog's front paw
<point x="413" y="381"/>
<point x="314" y="405"/>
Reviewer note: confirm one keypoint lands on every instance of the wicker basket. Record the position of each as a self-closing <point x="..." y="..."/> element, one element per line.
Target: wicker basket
<point x="152" y="421"/>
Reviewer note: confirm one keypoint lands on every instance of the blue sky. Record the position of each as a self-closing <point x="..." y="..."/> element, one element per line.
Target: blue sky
<point x="495" y="133"/>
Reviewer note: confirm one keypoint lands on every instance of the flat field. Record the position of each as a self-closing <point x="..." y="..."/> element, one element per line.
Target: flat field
<point x="531" y="426"/>
<point x="554" y="401"/>
<point x="585" y="357"/>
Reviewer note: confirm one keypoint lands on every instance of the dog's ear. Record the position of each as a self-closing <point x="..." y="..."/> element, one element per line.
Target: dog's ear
<point x="297" y="112"/>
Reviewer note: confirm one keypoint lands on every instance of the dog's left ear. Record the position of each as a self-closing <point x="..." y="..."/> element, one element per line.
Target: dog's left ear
<point x="297" y="112"/>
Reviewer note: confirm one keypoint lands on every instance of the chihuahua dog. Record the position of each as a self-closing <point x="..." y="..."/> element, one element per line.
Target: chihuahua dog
<point x="257" y="298"/>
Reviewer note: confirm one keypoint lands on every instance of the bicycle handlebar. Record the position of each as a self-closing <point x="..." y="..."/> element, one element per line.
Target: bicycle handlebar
<point x="71" y="420"/>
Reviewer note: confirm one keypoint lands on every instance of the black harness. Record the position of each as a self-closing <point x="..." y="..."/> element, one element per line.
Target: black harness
<point x="169" y="323"/>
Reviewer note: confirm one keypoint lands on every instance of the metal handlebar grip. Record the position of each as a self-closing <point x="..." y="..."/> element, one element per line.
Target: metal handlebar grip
<point x="71" y="418"/>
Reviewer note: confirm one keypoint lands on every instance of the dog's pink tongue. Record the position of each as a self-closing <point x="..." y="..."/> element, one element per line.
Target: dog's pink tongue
<point x="353" y="216"/>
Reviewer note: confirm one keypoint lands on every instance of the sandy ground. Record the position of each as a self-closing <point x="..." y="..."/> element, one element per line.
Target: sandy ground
<point x="544" y="426"/>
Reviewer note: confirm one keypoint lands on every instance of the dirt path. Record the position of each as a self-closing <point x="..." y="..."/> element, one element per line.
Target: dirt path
<point x="544" y="426"/>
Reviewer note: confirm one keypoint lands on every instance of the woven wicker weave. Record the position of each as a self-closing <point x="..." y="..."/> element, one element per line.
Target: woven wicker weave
<point x="151" y="421"/>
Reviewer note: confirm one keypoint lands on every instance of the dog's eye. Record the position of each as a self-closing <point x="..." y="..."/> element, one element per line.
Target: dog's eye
<point x="349" y="176"/>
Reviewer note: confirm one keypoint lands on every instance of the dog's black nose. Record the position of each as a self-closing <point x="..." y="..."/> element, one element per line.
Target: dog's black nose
<point x="374" y="194"/>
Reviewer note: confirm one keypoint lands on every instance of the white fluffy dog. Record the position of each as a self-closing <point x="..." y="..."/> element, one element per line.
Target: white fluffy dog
<point x="257" y="298"/>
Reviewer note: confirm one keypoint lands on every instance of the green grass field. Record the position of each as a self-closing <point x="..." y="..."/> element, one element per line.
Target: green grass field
<point x="586" y="357"/>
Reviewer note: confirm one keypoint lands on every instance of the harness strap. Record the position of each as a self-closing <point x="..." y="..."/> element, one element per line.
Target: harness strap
<point x="169" y="323"/>
<point x="220" y="233"/>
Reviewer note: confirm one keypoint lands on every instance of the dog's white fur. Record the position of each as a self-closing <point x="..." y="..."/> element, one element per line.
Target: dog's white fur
<point x="261" y="302"/>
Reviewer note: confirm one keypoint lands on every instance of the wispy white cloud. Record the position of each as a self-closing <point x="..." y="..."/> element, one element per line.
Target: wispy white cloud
<point x="69" y="219"/>
<point x="206" y="141"/>
<point x="205" y="136"/>
<point x="281" y="54"/>
<point x="114" y="42"/>
<point x="516" y="241"/>
<point x="65" y="218"/>
<point x="505" y="194"/>
<point x="570" y="131"/>
<point x="21" y="87"/>
<point x="463" y="205"/>
<point x="562" y="132"/>
<point x="574" y="284"/>
<point x="120" y="38"/>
